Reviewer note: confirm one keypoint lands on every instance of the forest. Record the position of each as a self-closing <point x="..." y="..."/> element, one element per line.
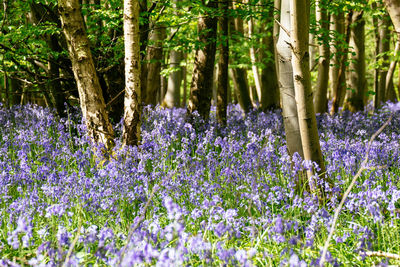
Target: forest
<point x="199" y="133"/>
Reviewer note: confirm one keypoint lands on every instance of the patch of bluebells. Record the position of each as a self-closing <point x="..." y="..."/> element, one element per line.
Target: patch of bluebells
<point x="226" y="194"/>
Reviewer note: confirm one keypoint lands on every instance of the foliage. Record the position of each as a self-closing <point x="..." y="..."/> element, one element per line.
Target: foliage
<point x="226" y="194"/>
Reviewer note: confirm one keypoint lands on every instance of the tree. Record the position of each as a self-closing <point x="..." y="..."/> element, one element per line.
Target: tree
<point x="339" y="79"/>
<point x="357" y="94"/>
<point x="172" y="97"/>
<point x="223" y="63"/>
<point x="253" y="58"/>
<point x="90" y="94"/>
<point x="154" y="58"/>
<point x="393" y="8"/>
<point x="286" y="84"/>
<point x="132" y="101"/>
<point x="302" y="85"/>
<point x="382" y="47"/>
<point x="203" y="72"/>
<point x="269" y="76"/>
<point x="321" y="88"/>
<point x="238" y="73"/>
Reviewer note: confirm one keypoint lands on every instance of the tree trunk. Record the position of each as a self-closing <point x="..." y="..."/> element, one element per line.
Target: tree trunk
<point x="39" y="14"/>
<point x="389" y="88"/>
<point x="337" y="26"/>
<point x="154" y="61"/>
<point x="382" y="37"/>
<point x="241" y="87"/>
<point x="393" y="8"/>
<point x="144" y="30"/>
<point x="269" y="76"/>
<point x="239" y="74"/>
<point x="357" y="81"/>
<point x="286" y="85"/>
<point x="202" y="78"/>
<point x="253" y="57"/>
<point x="339" y="84"/>
<point x="172" y="97"/>
<point x="184" y="74"/>
<point x="302" y="85"/>
<point x="90" y="94"/>
<point x="132" y="101"/>
<point x="321" y="89"/>
<point x="223" y="63"/>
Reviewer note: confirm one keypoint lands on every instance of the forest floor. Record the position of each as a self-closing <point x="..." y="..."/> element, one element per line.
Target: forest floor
<point x="193" y="194"/>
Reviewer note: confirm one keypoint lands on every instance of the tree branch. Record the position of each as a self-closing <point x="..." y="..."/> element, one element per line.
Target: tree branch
<point x="353" y="182"/>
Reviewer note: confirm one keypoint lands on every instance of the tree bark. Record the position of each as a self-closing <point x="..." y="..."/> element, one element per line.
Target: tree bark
<point x="337" y="26"/>
<point x="202" y="78"/>
<point x="253" y="58"/>
<point x="286" y="85"/>
<point x="154" y="60"/>
<point x="321" y="89"/>
<point x="339" y="84"/>
<point x="132" y="101"/>
<point x="382" y="38"/>
<point x="223" y="63"/>
<point x="172" y="97"/>
<point x="389" y="88"/>
<point x="357" y="82"/>
<point x="90" y="94"/>
<point x="302" y="85"/>
<point x="393" y="8"/>
<point x="269" y="75"/>
<point x="239" y="74"/>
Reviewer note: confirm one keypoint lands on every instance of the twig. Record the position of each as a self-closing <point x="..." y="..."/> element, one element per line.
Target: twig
<point x="71" y="248"/>
<point x="288" y="32"/>
<point x="115" y="97"/>
<point x="140" y="220"/>
<point x="381" y="254"/>
<point x="345" y="195"/>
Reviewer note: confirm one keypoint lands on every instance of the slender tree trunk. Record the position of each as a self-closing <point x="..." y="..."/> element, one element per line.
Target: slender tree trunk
<point x="382" y="37"/>
<point x="357" y="81"/>
<point x="172" y="97"/>
<point x="253" y="58"/>
<point x="337" y="26"/>
<point x="302" y="85"/>
<point x="184" y="74"/>
<point x="287" y="92"/>
<point x="393" y="8"/>
<point x="269" y="76"/>
<point x="154" y="59"/>
<point x="239" y="74"/>
<point x="6" y="89"/>
<point x="132" y="110"/>
<point x="223" y="63"/>
<point x="90" y="94"/>
<point x="321" y="89"/>
<point x="241" y="87"/>
<point x="339" y="85"/>
<point x="389" y="88"/>
<point x="144" y="30"/>
<point x="202" y="78"/>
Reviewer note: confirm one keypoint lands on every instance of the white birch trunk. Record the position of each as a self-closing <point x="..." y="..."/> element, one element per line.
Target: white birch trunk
<point x="131" y="127"/>
<point x="289" y="107"/>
